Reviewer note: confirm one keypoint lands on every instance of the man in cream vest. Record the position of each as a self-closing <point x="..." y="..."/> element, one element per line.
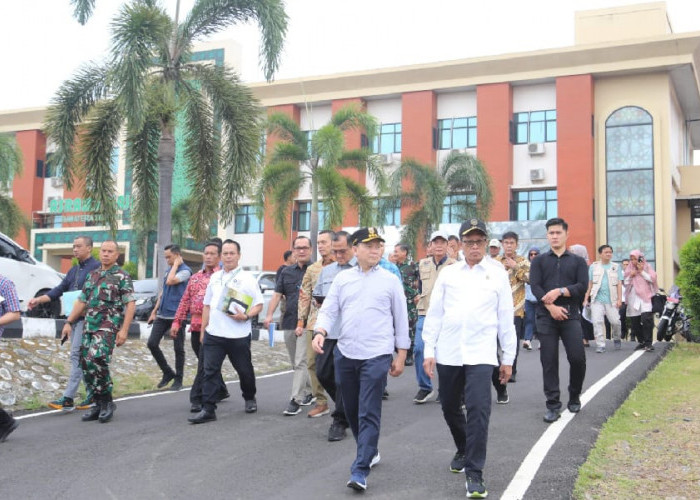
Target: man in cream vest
<point x="604" y="295"/>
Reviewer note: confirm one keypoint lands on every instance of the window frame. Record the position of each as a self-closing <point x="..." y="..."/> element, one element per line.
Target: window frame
<point x="381" y="136"/>
<point x="248" y="214"/>
<point x="515" y="203"/>
<point x="469" y="127"/>
<point x="524" y="127"/>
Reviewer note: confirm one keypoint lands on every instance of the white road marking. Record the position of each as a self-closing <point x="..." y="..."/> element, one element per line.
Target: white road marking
<point x="150" y="395"/>
<point x="526" y="473"/>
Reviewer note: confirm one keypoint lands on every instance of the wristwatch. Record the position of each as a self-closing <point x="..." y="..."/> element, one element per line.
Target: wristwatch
<point x="317" y="332"/>
<point x="562" y="290"/>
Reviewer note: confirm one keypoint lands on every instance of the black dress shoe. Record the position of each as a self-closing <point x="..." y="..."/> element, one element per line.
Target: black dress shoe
<point x="107" y="411"/>
<point x="222" y="395"/>
<point x="177" y="385"/>
<point x="7" y="429"/>
<point x="165" y="380"/>
<point x="574" y="406"/>
<point x="92" y="414"/>
<point x="551" y="416"/>
<point x="202" y="417"/>
<point x="251" y="406"/>
<point x="195" y="408"/>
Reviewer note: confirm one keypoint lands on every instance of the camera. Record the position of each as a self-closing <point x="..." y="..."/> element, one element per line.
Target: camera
<point x="641" y="258"/>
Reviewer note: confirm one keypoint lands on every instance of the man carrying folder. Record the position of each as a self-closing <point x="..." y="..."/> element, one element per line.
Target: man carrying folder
<point x="231" y="299"/>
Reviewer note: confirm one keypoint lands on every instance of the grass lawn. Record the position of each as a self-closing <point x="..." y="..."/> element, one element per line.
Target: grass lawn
<point x="651" y="446"/>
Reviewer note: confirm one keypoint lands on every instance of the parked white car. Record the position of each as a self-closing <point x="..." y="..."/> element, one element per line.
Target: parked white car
<point x="31" y="277"/>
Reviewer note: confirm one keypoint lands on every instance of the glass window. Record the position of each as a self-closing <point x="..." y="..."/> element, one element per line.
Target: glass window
<point x="534" y="205"/>
<point x="456" y="206"/>
<point x="629" y="155"/>
<point x="247" y="220"/>
<point x="388" y="140"/>
<point x="114" y="161"/>
<point x="535" y="126"/>
<point x="309" y="136"/>
<point x="393" y="215"/>
<point x="457" y="133"/>
<point x="304" y="216"/>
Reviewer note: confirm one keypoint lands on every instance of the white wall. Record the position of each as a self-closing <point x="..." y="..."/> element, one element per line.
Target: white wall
<point x="314" y="116"/>
<point x="456" y="104"/>
<point x="385" y="110"/>
<point x="534" y="97"/>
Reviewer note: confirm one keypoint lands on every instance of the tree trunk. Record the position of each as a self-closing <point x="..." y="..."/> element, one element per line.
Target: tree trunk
<point x="313" y="223"/>
<point x="166" y="165"/>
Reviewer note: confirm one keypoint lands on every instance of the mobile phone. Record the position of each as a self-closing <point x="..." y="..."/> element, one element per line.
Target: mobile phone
<point x="63" y="340"/>
<point x="641" y="258"/>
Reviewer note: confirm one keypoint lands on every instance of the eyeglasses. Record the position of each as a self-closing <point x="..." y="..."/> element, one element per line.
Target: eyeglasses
<point x="302" y="248"/>
<point x="474" y="243"/>
<point x="344" y="250"/>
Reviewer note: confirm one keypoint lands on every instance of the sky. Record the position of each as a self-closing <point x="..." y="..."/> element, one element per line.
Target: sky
<point x="42" y="45"/>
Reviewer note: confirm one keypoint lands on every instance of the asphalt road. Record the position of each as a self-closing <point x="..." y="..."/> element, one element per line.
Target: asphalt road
<point x="150" y="451"/>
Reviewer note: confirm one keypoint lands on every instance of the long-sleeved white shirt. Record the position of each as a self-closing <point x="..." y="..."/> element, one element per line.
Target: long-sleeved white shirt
<point x="471" y="307"/>
<point x="371" y="307"/>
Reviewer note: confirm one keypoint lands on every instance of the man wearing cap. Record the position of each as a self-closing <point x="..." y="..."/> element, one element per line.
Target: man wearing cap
<point x="373" y="323"/>
<point x="428" y="270"/>
<point x="494" y="248"/>
<point x="470" y="314"/>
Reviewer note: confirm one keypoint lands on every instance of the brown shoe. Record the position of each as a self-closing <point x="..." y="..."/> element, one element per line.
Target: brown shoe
<point x="319" y="410"/>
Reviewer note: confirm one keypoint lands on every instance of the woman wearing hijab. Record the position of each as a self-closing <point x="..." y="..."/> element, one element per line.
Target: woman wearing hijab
<point x="640" y="287"/>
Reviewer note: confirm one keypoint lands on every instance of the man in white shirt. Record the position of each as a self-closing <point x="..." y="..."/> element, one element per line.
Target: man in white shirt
<point x="369" y="304"/>
<point x="232" y="298"/>
<point x="471" y="311"/>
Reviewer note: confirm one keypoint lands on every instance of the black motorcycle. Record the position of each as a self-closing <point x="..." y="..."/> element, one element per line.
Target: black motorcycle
<point x="673" y="318"/>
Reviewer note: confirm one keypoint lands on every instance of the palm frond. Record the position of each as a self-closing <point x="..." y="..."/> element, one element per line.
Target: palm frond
<point x="331" y="189"/>
<point x="363" y="160"/>
<point x="360" y="198"/>
<point x="82" y="10"/>
<point x="288" y="151"/>
<point x="353" y="117"/>
<point x="97" y="139"/>
<point x="276" y="191"/>
<point x="68" y="107"/>
<point x="202" y="153"/>
<point x="237" y="108"/>
<point x="327" y="144"/>
<point x="211" y="16"/>
<point x="10" y="161"/>
<point x="142" y="159"/>
<point x="464" y="173"/>
<point x="286" y="129"/>
<point x="138" y="31"/>
<point x="13" y="218"/>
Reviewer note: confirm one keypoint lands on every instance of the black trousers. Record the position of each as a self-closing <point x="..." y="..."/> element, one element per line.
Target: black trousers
<point x="196" y="390"/>
<point x="643" y="328"/>
<point x="161" y="328"/>
<point x="325" y="371"/>
<point x="623" y="321"/>
<point x="470" y="434"/>
<point x="569" y="331"/>
<point x="496" y="375"/>
<point x="215" y="349"/>
<point x="5" y="418"/>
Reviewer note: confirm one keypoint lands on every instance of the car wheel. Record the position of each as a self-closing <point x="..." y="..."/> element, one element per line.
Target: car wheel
<point x="48" y="310"/>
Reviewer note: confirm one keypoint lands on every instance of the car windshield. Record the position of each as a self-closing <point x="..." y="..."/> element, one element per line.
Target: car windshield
<point x="145" y="286"/>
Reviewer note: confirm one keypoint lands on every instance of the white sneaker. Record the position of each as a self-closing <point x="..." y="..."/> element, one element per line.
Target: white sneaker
<point x="375" y="460"/>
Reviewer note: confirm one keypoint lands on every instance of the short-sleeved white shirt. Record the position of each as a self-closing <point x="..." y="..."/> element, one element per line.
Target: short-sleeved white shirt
<point x="221" y="325"/>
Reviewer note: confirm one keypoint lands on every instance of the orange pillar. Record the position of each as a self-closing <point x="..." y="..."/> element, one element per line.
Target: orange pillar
<point x="418" y="120"/>
<point x="494" y="104"/>
<point x="28" y="188"/>
<point x="275" y="244"/>
<point x="353" y="140"/>
<point x="575" y="161"/>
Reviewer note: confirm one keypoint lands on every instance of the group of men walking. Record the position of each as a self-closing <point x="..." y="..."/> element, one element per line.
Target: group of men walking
<point x="349" y="322"/>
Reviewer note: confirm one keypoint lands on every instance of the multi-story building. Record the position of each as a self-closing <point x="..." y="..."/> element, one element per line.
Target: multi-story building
<point x="601" y="133"/>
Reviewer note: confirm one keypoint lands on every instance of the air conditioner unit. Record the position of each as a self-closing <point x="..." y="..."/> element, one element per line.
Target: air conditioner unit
<point x="385" y="158"/>
<point x="535" y="148"/>
<point x="56" y="182"/>
<point x="536" y="174"/>
<point x="461" y="150"/>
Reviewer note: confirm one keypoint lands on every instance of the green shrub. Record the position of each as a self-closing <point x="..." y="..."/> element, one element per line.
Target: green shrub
<point x="689" y="280"/>
<point x="132" y="268"/>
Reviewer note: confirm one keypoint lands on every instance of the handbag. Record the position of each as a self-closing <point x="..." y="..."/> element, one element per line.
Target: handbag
<point x="658" y="302"/>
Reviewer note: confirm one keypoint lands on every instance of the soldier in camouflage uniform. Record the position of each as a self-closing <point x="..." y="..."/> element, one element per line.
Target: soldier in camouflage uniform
<point x="108" y="305"/>
<point x="410" y="278"/>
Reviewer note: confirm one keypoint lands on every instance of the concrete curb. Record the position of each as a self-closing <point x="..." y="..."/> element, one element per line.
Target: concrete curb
<point x="29" y="328"/>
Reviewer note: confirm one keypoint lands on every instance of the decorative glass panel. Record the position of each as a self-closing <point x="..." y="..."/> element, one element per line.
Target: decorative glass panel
<point x="631" y="193"/>
<point x="632" y="232"/>
<point x="629" y="147"/>
<point x="630" y="115"/>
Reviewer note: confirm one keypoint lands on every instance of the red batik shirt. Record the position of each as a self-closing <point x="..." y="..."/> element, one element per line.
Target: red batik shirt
<point x="192" y="301"/>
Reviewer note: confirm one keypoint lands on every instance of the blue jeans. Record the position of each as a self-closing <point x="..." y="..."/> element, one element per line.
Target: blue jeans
<point x="76" y="372"/>
<point x="362" y="383"/>
<point x="418" y="346"/>
<point x="530" y="322"/>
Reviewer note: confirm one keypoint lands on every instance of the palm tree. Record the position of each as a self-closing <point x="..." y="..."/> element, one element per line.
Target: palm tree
<point x="319" y="160"/>
<point x="12" y="219"/>
<point x="149" y="86"/>
<point x="424" y="189"/>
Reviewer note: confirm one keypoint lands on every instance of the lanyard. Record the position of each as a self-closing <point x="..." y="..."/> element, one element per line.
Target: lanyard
<point x="233" y="275"/>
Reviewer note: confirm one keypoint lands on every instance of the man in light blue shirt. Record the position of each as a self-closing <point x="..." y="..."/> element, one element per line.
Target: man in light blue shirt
<point x="341" y="247"/>
<point x="371" y="306"/>
<point x="604" y="295"/>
